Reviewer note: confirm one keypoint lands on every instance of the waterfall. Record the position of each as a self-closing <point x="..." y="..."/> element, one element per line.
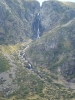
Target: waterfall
<point x="30" y="65"/>
<point x="31" y="68"/>
<point x="37" y="27"/>
<point x="38" y="31"/>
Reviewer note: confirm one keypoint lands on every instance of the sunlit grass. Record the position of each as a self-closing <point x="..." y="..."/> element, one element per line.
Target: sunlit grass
<point x="4" y="63"/>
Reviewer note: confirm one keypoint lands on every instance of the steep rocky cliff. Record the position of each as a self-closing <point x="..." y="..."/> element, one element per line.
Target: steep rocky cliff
<point x="53" y="13"/>
<point x="16" y="20"/>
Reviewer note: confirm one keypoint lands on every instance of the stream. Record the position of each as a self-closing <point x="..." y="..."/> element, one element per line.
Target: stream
<point x="29" y="65"/>
<point x="23" y="55"/>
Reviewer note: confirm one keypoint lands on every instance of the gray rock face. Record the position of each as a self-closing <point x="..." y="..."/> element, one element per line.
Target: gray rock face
<point x="53" y="12"/>
<point x="16" y="20"/>
<point x="50" y="14"/>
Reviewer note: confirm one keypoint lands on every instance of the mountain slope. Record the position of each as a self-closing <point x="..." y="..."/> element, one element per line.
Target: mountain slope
<point x="55" y="49"/>
<point x="16" y="20"/>
<point x="42" y="69"/>
<point x="54" y="12"/>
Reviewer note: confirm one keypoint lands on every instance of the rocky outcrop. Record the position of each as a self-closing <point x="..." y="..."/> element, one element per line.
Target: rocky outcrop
<point x="54" y="12"/>
<point x="51" y="13"/>
<point x="16" y="20"/>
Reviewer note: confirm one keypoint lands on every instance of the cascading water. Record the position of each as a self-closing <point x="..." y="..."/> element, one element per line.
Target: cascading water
<point x="38" y="31"/>
<point x="37" y="26"/>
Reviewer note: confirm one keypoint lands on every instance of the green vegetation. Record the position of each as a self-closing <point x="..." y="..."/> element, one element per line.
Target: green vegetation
<point x="52" y="56"/>
<point x="55" y="49"/>
<point x="4" y="63"/>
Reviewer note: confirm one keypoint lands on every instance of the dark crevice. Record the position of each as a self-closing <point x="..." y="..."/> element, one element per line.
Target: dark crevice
<point x="37" y="27"/>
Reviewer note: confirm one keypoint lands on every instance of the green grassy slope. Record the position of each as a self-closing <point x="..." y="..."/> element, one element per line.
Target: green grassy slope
<point x="54" y="49"/>
<point x="4" y="64"/>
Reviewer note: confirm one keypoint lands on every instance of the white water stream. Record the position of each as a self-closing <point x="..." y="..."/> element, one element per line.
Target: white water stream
<point x="38" y="31"/>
